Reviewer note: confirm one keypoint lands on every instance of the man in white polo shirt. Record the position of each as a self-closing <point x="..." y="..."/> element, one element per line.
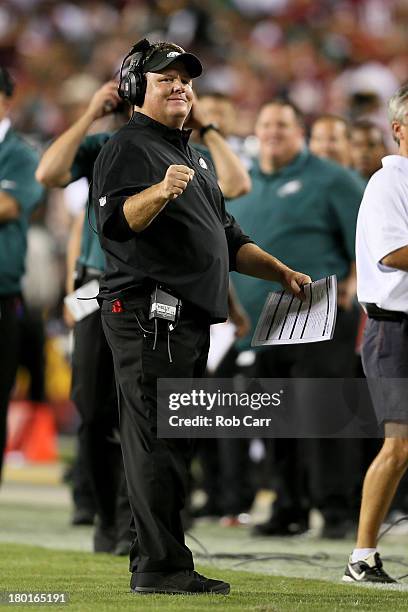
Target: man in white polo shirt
<point x="382" y="286"/>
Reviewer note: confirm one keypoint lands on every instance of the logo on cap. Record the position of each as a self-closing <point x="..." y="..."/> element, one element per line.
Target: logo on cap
<point x="102" y="201"/>
<point x="173" y="54"/>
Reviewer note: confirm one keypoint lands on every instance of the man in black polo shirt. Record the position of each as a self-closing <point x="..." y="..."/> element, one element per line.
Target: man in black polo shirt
<point x="162" y="220"/>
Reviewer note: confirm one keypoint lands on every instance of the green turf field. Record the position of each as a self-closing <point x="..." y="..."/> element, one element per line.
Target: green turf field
<point x="41" y="552"/>
<point x="100" y="582"/>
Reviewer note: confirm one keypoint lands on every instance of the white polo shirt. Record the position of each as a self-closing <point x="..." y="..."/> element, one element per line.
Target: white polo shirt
<point x="382" y="227"/>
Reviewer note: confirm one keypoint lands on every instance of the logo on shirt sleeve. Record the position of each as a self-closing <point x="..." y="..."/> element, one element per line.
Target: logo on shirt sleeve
<point x="203" y="163"/>
<point x="102" y="201"/>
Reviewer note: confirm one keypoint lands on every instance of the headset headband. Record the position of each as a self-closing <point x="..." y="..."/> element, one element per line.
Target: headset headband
<point x="139" y="51"/>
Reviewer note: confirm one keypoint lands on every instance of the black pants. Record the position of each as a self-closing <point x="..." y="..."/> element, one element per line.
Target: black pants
<point x="32" y="353"/>
<point x="93" y="392"/>
<point x="156" y="468"/>
<point x="314" y="471"/>
<point x="82" y="489"/>
<point x="11" y="312"/>
<point x="236" y="477"/>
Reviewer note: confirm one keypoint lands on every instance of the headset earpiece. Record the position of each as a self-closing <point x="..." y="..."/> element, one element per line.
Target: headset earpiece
<point x="132" y="86"/>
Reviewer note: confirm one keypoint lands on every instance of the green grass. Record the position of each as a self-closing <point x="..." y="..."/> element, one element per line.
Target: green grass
<point x="101" y="582"/>
<point x="41" y="552"/>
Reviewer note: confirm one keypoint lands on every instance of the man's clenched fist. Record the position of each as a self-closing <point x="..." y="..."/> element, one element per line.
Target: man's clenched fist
<point x="176" y="180"/>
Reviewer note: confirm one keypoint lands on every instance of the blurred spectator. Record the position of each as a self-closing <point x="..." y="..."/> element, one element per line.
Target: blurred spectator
<point x="305" y="209"/>
<point x="328" y="56"/>
<point x="220" y="110"/>
<point x="70" y="157"/>
<point x="330" y="139"/>
<point x="367" y="147"/>
<point x="19" y="194"/>
<point x="325" y="55"/>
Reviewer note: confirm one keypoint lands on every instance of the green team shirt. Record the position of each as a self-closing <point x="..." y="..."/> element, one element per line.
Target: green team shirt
<point x="91" y="254"/>
<point x="359" y="177"/>
<point x="305" y="215"/>
<point x="18" y="163"/>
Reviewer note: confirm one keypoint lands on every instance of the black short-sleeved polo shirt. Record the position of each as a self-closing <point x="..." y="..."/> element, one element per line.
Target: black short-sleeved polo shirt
<point x="190" y="246"/>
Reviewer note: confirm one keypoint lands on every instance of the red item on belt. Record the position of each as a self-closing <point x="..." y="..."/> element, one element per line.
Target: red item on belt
<point x="117" y="306"/>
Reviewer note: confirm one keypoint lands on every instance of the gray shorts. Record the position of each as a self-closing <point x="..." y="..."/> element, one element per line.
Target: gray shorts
<point x="385" y="361"/>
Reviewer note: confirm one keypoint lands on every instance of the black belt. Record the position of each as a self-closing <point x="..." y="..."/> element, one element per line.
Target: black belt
<point x="379" y="314"/>
<point x="138" y="295"/>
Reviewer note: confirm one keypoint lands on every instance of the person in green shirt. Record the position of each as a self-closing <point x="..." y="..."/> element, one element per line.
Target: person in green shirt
<point x="70" y="157"/>
<point x="304" y="209"/>
<point x="19" y="194"/>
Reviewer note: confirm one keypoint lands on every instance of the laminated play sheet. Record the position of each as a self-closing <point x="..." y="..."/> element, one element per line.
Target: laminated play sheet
<point x="287" y="320"/>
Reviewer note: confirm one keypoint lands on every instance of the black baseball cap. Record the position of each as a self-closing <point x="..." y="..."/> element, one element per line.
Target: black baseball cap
<point x="162" y="58"/>
<point x="6" y="82"/>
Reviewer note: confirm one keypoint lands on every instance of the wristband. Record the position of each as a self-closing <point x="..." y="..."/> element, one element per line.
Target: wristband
<point x="209" y="126"/>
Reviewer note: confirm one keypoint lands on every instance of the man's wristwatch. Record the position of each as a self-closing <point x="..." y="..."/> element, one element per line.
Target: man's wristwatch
<point x="209" y="126"/>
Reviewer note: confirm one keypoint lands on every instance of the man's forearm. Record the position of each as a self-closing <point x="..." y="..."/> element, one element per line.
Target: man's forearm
<point x="234" y="304"/>
<point x="397" y="259"/>
<point x="347" y="288"/>
<point x="143" y="207"/>
<point x="73" y="250"/>
<point x="9" y="208"/>
<point x="352" y="277"/>
<point x="254" y="261"/>
<point x="233" y="177"/>
<point x="54" y="169"/>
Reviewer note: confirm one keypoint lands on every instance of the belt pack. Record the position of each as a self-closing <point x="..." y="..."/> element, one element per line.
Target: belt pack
<point x="164" y="305"/>
<point x="380" y="314"/>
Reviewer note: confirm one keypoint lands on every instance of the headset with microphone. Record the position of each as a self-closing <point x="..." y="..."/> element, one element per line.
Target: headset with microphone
<point x="143" y="58"/>
<point x="132" y="85"/>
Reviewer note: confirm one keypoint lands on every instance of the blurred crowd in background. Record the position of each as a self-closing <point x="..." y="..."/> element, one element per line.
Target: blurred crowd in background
<point x="327" y="56"/>
<point x="346" y="56"/>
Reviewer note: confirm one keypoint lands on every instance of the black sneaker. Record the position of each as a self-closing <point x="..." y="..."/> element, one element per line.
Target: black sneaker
<point x="185" y="582"/>
<point x="368" y="569"/>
